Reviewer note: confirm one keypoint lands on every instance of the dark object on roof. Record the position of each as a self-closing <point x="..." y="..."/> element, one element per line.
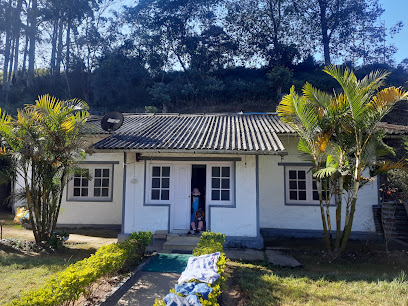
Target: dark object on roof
<point x="222" y="133"/>
<point x="112" y="121"/>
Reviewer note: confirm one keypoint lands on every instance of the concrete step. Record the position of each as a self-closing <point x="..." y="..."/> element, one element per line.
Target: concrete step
<point x="185" y="243"/>
<point x="160" y="234"/>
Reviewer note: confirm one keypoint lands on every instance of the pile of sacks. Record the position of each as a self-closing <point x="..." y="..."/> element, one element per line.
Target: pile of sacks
<point x="22" y="215"/>
<point x="203" y="270"/>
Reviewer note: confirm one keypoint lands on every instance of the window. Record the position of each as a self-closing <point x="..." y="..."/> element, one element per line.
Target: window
<point x="81" y="183"/>
<point x="160" y="188"/>
<point x="94" y="183"/>
<point x="221" y="184"/>
<point x="301" y="187"/>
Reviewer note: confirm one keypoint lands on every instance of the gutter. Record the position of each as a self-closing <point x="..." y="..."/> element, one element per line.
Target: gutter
<point x="279" y="153"/>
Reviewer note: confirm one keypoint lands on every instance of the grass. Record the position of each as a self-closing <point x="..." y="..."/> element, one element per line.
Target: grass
<point x="21" y="272"/>
<point x="346" y="282"/>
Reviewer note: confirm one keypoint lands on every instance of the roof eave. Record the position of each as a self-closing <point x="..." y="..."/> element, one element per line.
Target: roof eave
<point x="233" y="152"/>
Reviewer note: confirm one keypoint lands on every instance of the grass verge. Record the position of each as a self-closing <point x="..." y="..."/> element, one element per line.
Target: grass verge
<point x="20" y="273"/>
<point x="348" y="284"/>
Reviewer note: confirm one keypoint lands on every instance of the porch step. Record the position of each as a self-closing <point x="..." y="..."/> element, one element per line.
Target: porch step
<point x="184" y="243"/>
<point x="160" y="234"/>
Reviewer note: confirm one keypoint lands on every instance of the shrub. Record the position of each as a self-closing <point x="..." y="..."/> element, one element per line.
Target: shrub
<point x="210" y="243"/>
<point x="77" y="279"/>
<point x="57" y="239"/>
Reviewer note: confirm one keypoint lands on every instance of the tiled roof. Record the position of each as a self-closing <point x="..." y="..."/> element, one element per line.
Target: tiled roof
<point x="394" y="129"/>
<point x="223" y="133"/>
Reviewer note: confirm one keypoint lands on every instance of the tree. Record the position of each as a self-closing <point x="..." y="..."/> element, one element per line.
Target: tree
<point x="279" y="77"/>
<point x="341" y="134"/>
<point x="264" y="29"/>
<point x="32" y="16"/>
<point x="165" y="30"/>
<point x="116" y="70"/>
<point x="338" y="24"/>
<point x="44" y="144"/>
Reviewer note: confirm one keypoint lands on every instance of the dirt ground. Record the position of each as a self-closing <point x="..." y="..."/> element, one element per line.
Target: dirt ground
<point x="89" y="238"/>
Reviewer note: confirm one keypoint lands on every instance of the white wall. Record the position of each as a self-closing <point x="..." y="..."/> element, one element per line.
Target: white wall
<point x="137" y="216"/>
<point x="73" y="212"/>
<point x="239" y="221"/>
<point x="275" y="214"/>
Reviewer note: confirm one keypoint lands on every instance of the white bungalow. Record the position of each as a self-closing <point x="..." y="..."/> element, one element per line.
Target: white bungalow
<point x="253" y="179"/>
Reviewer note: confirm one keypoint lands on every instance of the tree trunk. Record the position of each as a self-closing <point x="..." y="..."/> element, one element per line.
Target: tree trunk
<point x="25" y="54"/>
<point x="59" y="50"/>
<point x="68" y="42"/>
<point x="17" y="39"/>
<point x="32" y="34"/>
<point x="7" y="46"/>
<point x="349" y="222"/>
<point x="276" y="29"/>
<point x="54" y="46"/>
<point x="325" y="35"/>
<point x="323" y="215"/>
<point x="338" y="211"/>
<point x="10" y="69"/>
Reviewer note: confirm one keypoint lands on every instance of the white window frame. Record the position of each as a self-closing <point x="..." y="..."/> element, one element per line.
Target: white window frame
<point x="91" y="185"/>
<point x="231" y="187"/>
<point x="309" y="187"/>
<point x="148" y="182"/>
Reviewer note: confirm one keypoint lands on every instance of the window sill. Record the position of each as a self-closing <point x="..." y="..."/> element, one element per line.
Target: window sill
<point x="307" y="204"/>
<point x="89" y="200"/>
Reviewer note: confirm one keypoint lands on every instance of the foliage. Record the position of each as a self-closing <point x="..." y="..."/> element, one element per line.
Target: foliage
<point x="210" y="243"/>
<point x="332" y="27"/>
<point x="75" y="280"/>
<point x="280" y="78"/>
<point x="44" y="144"/>
<point x="57" y="239"/>
<point x="341" y="135"/>
<point x="115" y="72"/>
<point x="182" y="55"/>
<point x="151" y="109"/>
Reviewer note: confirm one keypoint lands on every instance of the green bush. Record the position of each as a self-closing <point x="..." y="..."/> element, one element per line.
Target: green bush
<point x="77" y="279"/>
<point x="210" y="243"/>
<point x="57" y="239"/>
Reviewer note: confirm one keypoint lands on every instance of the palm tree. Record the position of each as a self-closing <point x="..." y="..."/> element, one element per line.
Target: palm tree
<point x="305" y="117"/>
<point x="341" y="130"/>
<point x="44" y="144"/>
<point x="367" y="105"/>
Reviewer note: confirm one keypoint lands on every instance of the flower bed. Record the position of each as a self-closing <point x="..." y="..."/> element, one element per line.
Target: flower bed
<point x="209" y="243"/>
<point x="77" y="279"/>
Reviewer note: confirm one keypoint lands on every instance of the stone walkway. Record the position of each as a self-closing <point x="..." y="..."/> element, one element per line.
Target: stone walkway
<point x="147" y="286"/>
<point x="150" y="285"/>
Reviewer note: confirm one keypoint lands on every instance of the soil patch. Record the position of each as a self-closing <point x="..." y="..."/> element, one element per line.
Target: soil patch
<point x="233" y="296"/>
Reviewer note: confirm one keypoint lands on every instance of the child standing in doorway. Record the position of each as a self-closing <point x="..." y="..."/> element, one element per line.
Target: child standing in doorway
<point x="197" y="214"/>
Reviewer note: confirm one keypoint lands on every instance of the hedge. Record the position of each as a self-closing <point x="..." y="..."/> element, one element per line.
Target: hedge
<point x="209" y="243"/>
<point x="77" y="279"/>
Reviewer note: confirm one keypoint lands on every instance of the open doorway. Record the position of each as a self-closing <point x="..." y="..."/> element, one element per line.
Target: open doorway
<point x="198" y="180"/>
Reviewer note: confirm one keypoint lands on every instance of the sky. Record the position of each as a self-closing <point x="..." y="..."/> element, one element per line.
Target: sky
<point x="397" y="10"/>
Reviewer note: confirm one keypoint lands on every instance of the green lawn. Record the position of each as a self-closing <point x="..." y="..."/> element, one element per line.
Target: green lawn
<point x="349" y="282"/>
<point x="20" y="273"/>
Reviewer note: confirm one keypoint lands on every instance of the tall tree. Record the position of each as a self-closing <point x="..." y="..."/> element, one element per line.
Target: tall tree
<point x="336" y="24"/>
<point x="264" y="29"/>
<point x="166" y="29"/>
<point x="32" y="34"/>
